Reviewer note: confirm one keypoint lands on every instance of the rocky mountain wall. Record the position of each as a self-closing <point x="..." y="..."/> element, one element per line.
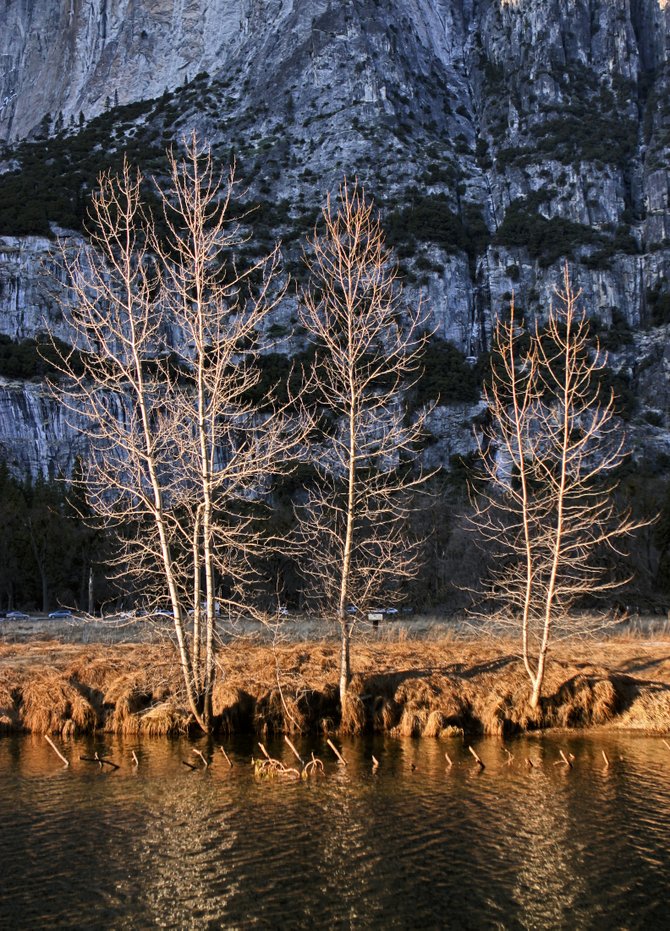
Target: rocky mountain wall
<point x="500" y="138"/>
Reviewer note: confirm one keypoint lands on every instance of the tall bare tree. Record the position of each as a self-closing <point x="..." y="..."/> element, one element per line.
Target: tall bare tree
<point x="368" y="347"/>
<point x="166" y="330"/>
<point x="545" y="496"/>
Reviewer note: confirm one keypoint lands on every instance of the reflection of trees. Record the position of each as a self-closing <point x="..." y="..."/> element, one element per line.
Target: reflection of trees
<point x="428" y="847"/>
<point x="184" y="850"/>
<point x="540" y="837"/>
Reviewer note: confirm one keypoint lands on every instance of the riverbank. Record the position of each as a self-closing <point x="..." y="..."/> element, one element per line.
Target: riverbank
<point x="430" y="688"/>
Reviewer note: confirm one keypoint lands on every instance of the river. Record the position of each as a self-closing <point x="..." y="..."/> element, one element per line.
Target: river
<point x="414" y="844"/>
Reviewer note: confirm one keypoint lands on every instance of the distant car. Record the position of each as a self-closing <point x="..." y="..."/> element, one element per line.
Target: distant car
<point x="17" y="616"/>
<point x="62" y="612"/>
<point x="390" y="610"/>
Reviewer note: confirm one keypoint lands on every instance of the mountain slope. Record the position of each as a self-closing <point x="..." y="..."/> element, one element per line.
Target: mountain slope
<point x="498" y="138"/>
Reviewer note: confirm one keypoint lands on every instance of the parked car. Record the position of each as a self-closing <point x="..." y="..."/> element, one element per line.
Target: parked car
<point x="17" y="616"/>
<point x="62" y="612"/>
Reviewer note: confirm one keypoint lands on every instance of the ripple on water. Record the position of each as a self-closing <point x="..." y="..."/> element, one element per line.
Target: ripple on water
<point x="405" y="847"/>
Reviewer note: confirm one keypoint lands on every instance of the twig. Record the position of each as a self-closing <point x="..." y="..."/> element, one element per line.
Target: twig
<point x="56" y="750"/>
<point x="201" y="757"/>
<point x="564" y="758"/>
<point x="226" y="757"/>
<point x="375" y="763"/>
<point x="135" y="760"/>
<point x="607" y="762"/>
<point x="106" y="762"/>
<point x="314" y="766"/>
<point x="529" y="763"/>
<point x="666" y="743"/>
<point x="510" y="758"/>
<point x="265" y="752"/>
<point x="295" y="752"/>
<point x="190" y="765"/>
<point x="336" y="751"/>
<point x="100" y="760"/>
<point x="479" y="762"/>
<point x="448" y="759"/>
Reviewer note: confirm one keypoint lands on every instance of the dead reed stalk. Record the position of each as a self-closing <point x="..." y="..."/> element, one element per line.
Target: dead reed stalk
<point x="477" y="757"/>
<point x="56" y="750"/>
<point x="336" y="752"/>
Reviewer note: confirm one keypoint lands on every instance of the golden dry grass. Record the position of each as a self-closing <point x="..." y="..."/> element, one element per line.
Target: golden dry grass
<point x="9" y="717"/>
<point x="50" y="704"/>
<point x="430" y="688"/>
<point x="165" y="718"/>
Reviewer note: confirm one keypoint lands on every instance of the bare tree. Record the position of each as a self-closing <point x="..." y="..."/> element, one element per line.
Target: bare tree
<point x="368" y="345"/>
<point x="179" y="456"/>
<point x="545" y="498"/>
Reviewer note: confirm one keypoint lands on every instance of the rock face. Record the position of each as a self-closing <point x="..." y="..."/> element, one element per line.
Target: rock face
<point x="36" y="437"/>
<point x="499" y="137"/>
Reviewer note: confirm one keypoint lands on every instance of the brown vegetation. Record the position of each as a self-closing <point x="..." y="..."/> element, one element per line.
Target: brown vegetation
<point x="429" y="688"/>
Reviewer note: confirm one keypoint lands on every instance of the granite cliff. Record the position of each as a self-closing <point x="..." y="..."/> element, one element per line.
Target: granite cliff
<point x="498" y="137"/>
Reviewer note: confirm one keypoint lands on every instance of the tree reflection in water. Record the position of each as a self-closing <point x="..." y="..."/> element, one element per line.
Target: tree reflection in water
<point x="414" y="843"/>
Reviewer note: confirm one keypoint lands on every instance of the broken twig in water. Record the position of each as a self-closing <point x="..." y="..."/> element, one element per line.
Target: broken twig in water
<point x="565" y="760"/>
<point x="272" y="767"/>
<point x="605" y="758"/>
<point x="314" y="766"/>
<point x="295" y="752"/>
<point x="100" y="760"/>
<point x="56" y="750"/>
<point x="135" y="760"/>
<point x="190" y="765"/>
<point x="200" y="754"/>
<point x="529" y="763"/>
<point x="477" y="758"/>
<point x="226" y="757"/>
<point x="448" y="759"/>
<point x="375" y="763"/>
<point x="510" y="758"/>
<point x="336" y="751"/>
<point x="666" y="743"/>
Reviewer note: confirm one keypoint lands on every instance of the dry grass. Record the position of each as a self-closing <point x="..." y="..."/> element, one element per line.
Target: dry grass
<point x="164" y="719"/>
<point x="52" y="705"/>
<point x="431" y="688"/>
<point x="9" y="715"/>
<point x="232" y="706"/>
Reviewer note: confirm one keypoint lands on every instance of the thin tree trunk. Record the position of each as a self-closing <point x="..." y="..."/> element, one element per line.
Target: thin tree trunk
<point x="45" y="591"/>
<point x="91" y="591"/>
<point x="197" y="607"/>
<point x="538" y="680"/>
<point x="345" y="624"/>
<point x="345" y="659"/>
<point x="166" y="555"/>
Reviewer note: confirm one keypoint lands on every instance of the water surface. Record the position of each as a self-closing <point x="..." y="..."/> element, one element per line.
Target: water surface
<point x="414" y="844"/>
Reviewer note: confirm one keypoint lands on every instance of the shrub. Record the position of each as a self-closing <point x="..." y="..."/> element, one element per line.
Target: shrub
<point x="446" y="376"/>
<point x="545" y="239"/>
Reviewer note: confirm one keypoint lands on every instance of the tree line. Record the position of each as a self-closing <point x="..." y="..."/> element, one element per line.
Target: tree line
<point x="48" y="553"/>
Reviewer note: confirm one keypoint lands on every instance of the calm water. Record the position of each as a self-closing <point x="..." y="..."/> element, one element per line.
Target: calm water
<point x="510" y="847"/>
